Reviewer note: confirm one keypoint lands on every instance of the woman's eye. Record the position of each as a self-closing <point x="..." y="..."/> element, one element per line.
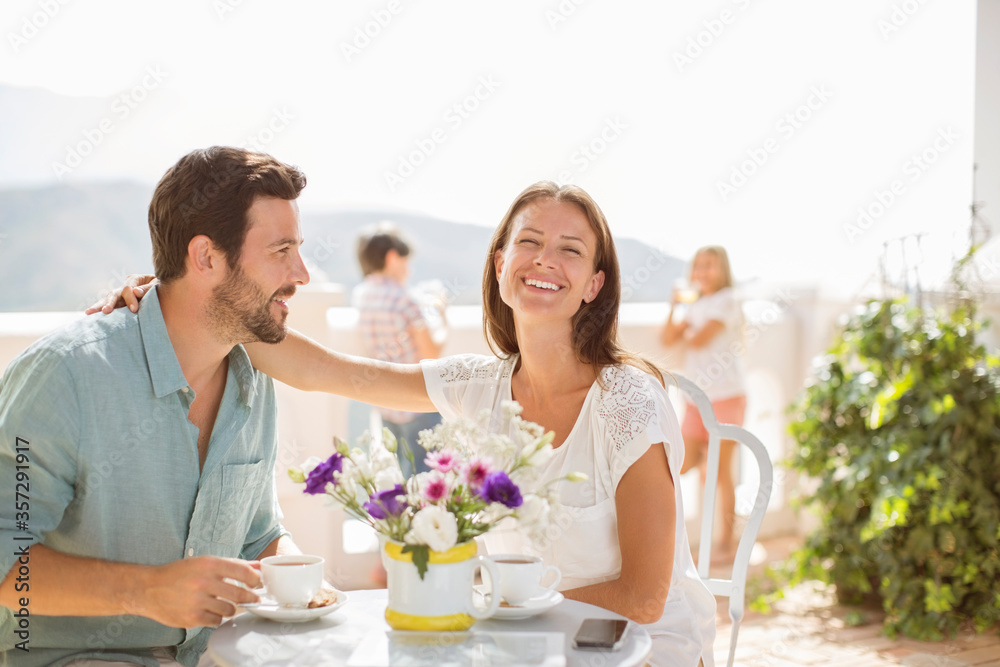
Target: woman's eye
<point x="532" y="241"/>
<point x="573" y="250"/>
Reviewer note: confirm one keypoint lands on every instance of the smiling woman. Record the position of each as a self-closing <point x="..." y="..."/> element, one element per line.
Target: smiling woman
<point x="551" y="293"/>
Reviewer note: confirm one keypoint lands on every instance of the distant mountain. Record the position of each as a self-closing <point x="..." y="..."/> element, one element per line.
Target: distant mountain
<point x="61" y="246"/>
<point x="48" y="137"/>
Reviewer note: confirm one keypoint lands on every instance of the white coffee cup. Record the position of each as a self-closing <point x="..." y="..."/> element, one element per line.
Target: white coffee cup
<point x="292" y="580"/>
<point x="521" y="577"/>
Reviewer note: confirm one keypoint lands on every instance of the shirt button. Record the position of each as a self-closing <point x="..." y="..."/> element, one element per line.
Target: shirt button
<point x="185" y="389"/>
<point x="190" y="551"/>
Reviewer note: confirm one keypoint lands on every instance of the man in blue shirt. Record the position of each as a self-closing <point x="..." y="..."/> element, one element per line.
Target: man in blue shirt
<point x="143" y="443"/>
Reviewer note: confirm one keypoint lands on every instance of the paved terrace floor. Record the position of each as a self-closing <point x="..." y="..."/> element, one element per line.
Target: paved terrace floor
<point x="808" y="627"/>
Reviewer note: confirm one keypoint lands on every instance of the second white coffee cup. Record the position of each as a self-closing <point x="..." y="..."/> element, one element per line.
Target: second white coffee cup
<point x="521" y="577"/>
<point x="292" y="580"/>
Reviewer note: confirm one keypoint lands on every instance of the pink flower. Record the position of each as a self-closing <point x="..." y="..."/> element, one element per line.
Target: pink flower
<point x="436" y="488"/>
<point x="476" y="472"/>
<point x="443" y="460"/>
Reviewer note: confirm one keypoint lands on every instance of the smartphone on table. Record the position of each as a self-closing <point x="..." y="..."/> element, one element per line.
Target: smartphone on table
<point x="601" y="634"/>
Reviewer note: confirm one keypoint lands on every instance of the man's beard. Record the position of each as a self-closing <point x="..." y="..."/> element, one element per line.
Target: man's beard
<point x="239" y="312"/>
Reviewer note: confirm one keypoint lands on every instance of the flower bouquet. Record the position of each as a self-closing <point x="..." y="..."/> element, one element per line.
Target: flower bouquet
<point x="477" y="479"/>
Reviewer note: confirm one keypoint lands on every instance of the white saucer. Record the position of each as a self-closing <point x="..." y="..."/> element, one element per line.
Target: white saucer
<point x="274" y="612"/>
<point x="531" y="607"/>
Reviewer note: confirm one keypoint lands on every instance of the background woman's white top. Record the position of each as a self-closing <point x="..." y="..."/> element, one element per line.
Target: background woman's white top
<point x="617" y="425"/>
<point x="717" y="367"/>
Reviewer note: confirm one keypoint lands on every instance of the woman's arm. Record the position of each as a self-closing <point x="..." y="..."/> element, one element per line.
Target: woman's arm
<point x="305" y="364"/>
<point x="647" y="520"/>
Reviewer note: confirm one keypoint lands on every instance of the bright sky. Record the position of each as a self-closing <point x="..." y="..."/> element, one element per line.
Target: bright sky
<point x="759" y="124"/>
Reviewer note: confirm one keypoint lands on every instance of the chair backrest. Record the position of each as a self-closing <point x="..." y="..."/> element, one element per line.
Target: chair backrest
<point x="735" y="587"/>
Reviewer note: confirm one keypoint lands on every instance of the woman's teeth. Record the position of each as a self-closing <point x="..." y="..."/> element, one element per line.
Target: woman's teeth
<point x="541" y="284"/>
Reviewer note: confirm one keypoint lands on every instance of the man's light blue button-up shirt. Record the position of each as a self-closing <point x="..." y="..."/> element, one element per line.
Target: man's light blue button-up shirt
<point x="100" y="408"/>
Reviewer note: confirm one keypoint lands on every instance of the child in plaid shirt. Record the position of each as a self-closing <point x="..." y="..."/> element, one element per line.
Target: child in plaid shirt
<point x="393" y="328"/>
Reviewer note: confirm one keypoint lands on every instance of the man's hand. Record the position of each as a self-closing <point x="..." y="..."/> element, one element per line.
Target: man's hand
<point x="135" y="287"/>
<point x="194" y="592"/>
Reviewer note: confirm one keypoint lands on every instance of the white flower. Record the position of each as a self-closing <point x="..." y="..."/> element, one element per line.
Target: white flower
<point x="388" y="478"/>
<point x="511" y="409"/>
<point x="500" y="448"/>
<point x="494" y="513"/>
<point x="434" y="526"/>
<point x="359" y="459"/>
<point x="533" y="512"/>
<point x="383" y="460"/>
<point x="310" y="463"/>
<point x="389" y="440"/>
<point x="348" y="475"/>
<point x="539" y="456"/>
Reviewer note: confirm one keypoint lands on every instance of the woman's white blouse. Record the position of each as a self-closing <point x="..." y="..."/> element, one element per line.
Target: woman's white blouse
<point x="617" y="424"/>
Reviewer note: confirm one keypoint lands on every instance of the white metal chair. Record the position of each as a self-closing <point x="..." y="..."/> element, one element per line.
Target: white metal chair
<point x="735" y="587"/>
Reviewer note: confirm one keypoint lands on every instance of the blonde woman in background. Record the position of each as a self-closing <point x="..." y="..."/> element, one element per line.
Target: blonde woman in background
<point x="709" y="332"/>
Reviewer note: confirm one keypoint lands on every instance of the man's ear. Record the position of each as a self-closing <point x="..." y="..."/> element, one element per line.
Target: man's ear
<point x="204" y="258"/>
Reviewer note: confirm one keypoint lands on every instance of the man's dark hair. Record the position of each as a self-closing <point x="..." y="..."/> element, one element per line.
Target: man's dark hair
<point x="375" y="242"/>
<point x="209" y="192"/>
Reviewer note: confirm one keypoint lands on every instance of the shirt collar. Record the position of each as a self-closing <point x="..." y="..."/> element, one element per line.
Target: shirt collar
<point x="244" y="372"/>
<point x="164" y="369"/>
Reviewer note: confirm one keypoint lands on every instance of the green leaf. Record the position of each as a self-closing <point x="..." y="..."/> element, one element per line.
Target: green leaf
<point x="421" y="555"/>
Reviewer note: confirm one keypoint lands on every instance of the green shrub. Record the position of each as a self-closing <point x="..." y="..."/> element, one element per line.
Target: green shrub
<point x="901" y="429"/>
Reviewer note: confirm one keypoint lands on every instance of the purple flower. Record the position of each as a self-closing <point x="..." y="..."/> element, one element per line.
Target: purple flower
<point x="322" y="474"/>
<point x="499" y="489"/>
<point x="386" y="503"/>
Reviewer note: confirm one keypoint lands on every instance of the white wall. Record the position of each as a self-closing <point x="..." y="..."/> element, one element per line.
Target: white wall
<point x="987" y="109"/>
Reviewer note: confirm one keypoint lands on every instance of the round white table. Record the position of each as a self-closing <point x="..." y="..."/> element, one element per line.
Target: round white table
<point x="250" y="641"/>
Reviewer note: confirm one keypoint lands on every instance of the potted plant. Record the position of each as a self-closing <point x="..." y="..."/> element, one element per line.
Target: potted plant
<point x="428" y="522"/>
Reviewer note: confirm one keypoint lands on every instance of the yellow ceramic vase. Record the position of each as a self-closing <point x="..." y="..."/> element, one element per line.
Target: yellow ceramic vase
<point x="444" y="599"/>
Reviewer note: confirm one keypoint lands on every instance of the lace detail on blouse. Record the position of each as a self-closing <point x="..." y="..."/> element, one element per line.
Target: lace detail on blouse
<point x="459" y="369"/>
<point x="628" y="405"/>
